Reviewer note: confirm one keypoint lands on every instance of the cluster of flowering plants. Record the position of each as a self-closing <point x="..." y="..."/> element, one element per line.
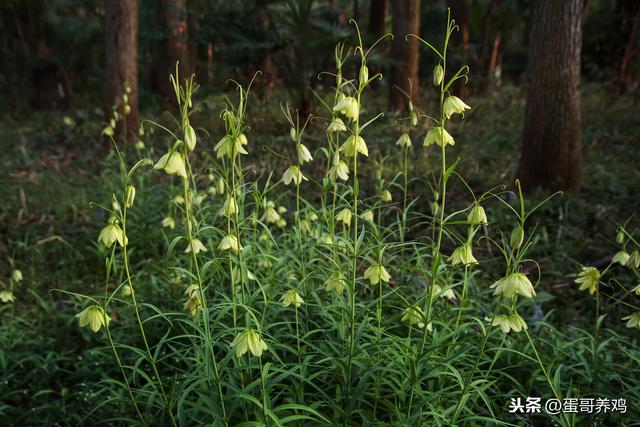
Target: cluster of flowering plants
<point x="307" y="298"/>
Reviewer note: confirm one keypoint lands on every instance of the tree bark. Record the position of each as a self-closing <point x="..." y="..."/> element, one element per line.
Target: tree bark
<point x="406" y="20"/>
<point x="377" y="18"/>
<point x="460" y="13"/>
<point x="176" y="20"/>
<point x="121" y="43"/>
<point x="551" y="146"/>
<point x="487" y="61"/>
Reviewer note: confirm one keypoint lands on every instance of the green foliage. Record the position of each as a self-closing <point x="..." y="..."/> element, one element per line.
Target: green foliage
<point x="356" y="358"/>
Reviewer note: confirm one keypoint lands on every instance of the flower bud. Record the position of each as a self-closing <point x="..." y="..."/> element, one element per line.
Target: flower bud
<point x="130" y="196"/>
<point x="438" y="75"/>
<point x="620" y="237"/>
<point x="293" y="134"/>
<point x="364" y="75"/>
<point x="517" y="237"/>
<point x="190" y="137"/>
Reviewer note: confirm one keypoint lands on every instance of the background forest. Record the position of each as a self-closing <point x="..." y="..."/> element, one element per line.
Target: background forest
<point x="287" y="237"/>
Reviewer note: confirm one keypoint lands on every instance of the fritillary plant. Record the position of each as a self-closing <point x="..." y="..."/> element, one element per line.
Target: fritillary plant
<point x="313" y="293"/>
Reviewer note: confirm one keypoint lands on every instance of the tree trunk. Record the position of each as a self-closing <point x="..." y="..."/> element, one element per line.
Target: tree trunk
<point x="377" y="17"/>
<point x="551" y="147"/>
<point x="460" y="13"/>
<point x="487" y="61"/>
<point x="625" y="75"/>
<point x="406" y="20"/>
<point x="176" y="18"/>
<point x="121" y="37"/>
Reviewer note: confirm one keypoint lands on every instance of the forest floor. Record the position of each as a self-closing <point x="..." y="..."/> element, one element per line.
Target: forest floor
<point x="54" y="164"/>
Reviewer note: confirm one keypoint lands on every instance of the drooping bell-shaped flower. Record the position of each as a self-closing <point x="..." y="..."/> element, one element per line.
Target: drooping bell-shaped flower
<point x="477" y="215"/>
<point x="112" y="233"/>
<point x="270" y="215"/>
<point x="169" y="222"/>
<point x="454" y="105"/>
<point x="336" y="125"/>
<point x="354" y="145"/>
<point x="94" y="317"/>
<point x="229" y="242"/>
<point x="348" y="106"/>
<point x="367" y="215"/>
<point x="196" y="247"/>
<point x="230" y="207"/>
<point x="339" y="169"/>
<point x="463" y="255"/>
<point x="634" y="260"/>
<point x="404" y="141"/>
<point x="16" y="276"/>
<point x="621" y="258"/>
<point x="439" y="136"/>
<point x="633" y="321"/>
<point x="385" y="196"/>
<point x="588" y="279"/>
<point x="514" y="284"/>
<point x="376" y="273"/>
<point x="173" y="164"/>
<point x="303" y="154"/>
<point x="293" y="174"/>
<point x="345" y="216"/>
<point x="249" y="341"/>
<point x="415" y="317"/>
<point x="7" y="297"/>
<point x="291" y="298"/>
<point x="194" y="303"/>
<point x="510" y="322"/>
<point x="335" y="282"/>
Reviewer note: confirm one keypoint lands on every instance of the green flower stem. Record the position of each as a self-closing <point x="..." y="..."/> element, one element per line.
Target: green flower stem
<point x="546" y="375"/>
<point x="205" y="309"/>
<point x="112" y="345"/>
<point x="139" y="320"/>
<point x="467" y="383"/>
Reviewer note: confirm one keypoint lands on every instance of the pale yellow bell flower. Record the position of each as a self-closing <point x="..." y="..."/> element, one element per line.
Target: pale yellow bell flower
<point x="229" y="242"/>
<point x="588" y="279"/>
<point x="514" y="284"/>
<point x="348" y="106"/>
<point x="376" y="273"/>
<point x="354" y="145"/>
<point x="344" y="216"/>
<point x="249" y="341"/>
<point x="291" y="298"/>
<point x="196" y="247"/>
<point x="94" y="317"/>
<point x="454" y="105"/>
<point x="437" y="135"/>
<point x="173" y="164"/>
<point x="463" y="255"/>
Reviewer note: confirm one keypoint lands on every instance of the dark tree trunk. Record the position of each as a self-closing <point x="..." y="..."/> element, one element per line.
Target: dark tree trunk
<point x="406" y="20"/>
<point x="377" y="18"/>
<point x="176" y="20"/>
<point x="488" y="60"/>
<point x="121" y="40"/>
<point x="625" y="73"/>
<point x="460" y="13"/>
<point x="551" y="147"/>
